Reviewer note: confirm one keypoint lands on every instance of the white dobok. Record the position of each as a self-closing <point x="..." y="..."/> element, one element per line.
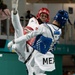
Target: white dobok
<point x="45" y="62"/>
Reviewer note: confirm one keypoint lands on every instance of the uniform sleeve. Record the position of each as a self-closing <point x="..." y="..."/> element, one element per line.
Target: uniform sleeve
<point x="16" y="24"/>
<point x="30" y="35"/>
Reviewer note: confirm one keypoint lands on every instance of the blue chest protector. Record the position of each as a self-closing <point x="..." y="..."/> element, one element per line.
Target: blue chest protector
<point x="42" y="43"/>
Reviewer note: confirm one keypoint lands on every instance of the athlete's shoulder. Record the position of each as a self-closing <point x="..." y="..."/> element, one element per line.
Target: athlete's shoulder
<point x="33" y="22"/>
<point x="33" y="19"/>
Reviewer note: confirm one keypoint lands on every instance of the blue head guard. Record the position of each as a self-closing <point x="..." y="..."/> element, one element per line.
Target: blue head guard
<point x="61" y="17"/>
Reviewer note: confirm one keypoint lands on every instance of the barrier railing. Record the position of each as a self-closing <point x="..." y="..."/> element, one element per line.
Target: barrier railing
<point x="6" y="29"/>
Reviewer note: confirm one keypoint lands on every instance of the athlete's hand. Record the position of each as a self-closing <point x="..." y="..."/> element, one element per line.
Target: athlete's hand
<point x="10" y="44"/>
<point x="15" y="5"/>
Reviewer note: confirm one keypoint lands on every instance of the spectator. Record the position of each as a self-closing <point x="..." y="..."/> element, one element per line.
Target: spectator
<point x="28" y="16"/>
<point x="4" y="15"/>
<point x="22" y="20"/>
<point x="4" y="11"/>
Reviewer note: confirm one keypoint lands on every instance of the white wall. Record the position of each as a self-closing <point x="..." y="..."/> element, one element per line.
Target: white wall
<point x="53" y="9"/>
<point x="36" y="7"/>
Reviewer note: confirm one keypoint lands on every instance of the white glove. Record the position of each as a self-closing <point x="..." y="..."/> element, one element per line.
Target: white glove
<point x="15" y="4"/>
<point x="10" y="44"/>
<point x="14" y="47"/>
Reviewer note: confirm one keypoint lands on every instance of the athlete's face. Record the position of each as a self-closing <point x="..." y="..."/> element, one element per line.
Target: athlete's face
<point x="43" y="17"/>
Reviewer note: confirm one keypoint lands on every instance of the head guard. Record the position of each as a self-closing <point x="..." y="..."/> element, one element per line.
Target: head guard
<point x="61" y="17"/>
<point x="44" y="10"/>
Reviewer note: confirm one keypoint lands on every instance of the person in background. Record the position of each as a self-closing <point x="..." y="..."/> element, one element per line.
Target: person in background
<point x="4" y="11"/>
<point x="28" y="16"/>
<point x="4" y="15"/>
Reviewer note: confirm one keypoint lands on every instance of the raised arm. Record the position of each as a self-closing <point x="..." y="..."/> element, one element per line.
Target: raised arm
<point x="16" y="20"/>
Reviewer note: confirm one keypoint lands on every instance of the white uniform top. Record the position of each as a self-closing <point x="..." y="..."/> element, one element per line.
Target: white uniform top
<point x="48" y="65"/>
<point x="44" y="30"/>
<point x="48" y="58"/>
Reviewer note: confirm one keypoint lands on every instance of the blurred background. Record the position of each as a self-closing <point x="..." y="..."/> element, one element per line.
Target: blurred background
<point x="64" y="51"/>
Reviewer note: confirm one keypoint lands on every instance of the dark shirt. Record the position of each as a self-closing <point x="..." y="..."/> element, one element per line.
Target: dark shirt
<point x="28" y="16"/>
